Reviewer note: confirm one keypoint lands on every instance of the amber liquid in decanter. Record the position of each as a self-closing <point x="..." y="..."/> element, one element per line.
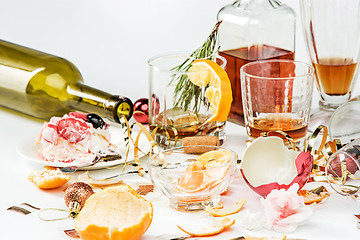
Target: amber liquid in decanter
<point x="236" y="58"/>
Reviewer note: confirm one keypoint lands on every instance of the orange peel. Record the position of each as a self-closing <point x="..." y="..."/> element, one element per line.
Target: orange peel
<point x="114" y="213"/>
<point x="226" y="211"/>
<point x="310" y="198"/>
<point x="216" y="227"/>
<point x="49" y="178"/>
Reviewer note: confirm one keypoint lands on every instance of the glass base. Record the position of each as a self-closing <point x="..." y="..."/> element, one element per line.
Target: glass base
<point x="335" y="102"/>
<point x="194" y="206"/>
<point x="166" y="140"/>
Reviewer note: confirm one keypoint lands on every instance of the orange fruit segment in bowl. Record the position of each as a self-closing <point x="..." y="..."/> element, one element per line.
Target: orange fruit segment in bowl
<point x="206" y="172"/>
<point x="218" y="93"/>
<point x="49" y="178"/>
<point x="192" y="179"/>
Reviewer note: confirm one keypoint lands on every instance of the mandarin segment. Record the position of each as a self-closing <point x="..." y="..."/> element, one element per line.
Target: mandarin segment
<point x="49" y="178"/>
<point x="192" y="179"/>
<point x="206" y="172"/>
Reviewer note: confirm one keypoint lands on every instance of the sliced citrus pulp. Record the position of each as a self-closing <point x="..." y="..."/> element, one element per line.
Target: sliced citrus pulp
<point x="226" y="211"/>
<point x="216" y="227"/>
<point x="218" y="93"/>
<point x="206" y="172"/>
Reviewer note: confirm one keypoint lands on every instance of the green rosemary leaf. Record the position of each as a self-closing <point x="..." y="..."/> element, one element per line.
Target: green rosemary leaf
<point x="185" y="91"/>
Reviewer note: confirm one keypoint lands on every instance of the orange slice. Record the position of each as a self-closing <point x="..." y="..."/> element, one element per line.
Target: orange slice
<point x="216" y="227"/>
<point x="226" y="211"/>
<point x="214" y="158"/>
<point x="218" y="93"/>
<point x="310" y="198"/>
<point x="48" y="178"/>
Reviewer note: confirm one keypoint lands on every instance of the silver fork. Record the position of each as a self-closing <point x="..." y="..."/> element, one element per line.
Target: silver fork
<point x="123" y="174"/>
<point x="72" y="169"/>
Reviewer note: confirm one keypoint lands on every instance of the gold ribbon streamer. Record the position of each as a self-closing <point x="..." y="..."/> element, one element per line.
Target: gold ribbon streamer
<point x="167" y="134"/>
<point x="136" y="143"/>
<point x="284" y="134"/>
<point x="309" y="143"/>
<point x="322" y="155"/>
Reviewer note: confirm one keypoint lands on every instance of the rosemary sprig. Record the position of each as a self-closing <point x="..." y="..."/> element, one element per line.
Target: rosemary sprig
<point x="185" y="91"/>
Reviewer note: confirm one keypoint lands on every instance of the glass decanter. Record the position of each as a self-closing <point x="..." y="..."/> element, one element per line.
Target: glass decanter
<point x="253" y="30"/>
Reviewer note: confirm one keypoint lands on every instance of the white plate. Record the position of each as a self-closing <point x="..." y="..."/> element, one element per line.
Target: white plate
<point x="27" y="149"/>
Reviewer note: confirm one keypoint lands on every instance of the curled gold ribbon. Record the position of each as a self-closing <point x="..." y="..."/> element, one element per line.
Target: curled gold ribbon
<point x="136" y="143"/>
<point x="284" y="134"/>
<point x="310" y="141"/>
<point x="322" y="155"/>
<point x="164" y="131"/>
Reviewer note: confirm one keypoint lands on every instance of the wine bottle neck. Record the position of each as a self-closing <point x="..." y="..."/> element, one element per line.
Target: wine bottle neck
<point x="92" y="100"/>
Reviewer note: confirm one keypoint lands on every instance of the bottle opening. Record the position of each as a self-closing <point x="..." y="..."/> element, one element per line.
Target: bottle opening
<point x="124" y="108"/>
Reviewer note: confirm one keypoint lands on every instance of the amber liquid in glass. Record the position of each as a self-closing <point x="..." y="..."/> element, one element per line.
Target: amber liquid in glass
<point x="293" y="127"/>
<point x="236" y="58"/>
<point x="180" y="124"/>
<point x="335" y="75"/>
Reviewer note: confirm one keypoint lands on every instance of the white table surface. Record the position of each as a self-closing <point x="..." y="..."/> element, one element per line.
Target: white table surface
<point x="333" y="219"/>
<point x="110" y="42"/>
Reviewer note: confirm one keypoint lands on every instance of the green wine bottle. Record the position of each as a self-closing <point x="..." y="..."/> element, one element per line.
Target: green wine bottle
<point x="43" y="85"/>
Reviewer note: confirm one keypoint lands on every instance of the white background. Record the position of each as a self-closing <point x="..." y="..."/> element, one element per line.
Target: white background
<point x="110" y="41"/>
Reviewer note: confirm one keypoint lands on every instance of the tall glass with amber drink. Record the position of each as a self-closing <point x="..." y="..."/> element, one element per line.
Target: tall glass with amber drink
<point x="332" y="34"/>
<point x="190" y="97"/>
<point x="253" y="30"/>
<point x="277" y="97"/>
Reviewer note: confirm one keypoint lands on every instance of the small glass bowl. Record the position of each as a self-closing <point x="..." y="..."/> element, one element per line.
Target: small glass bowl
<point x="189" y="184"/>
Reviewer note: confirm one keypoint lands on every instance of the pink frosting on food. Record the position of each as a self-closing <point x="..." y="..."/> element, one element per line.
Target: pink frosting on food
<point x="72" y="139"/>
